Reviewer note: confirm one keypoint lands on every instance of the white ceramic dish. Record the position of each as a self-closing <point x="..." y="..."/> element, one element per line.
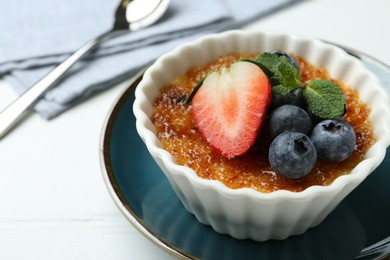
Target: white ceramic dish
<point x="246" y="213"/>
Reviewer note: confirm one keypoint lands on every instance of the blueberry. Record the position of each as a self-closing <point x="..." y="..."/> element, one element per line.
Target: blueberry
<point x="289" y="57"/>
<point x="292" y="154"/>
<point x="294" y="97"/>
<point x="334" y="140"/>
<point x="289" y="118"/>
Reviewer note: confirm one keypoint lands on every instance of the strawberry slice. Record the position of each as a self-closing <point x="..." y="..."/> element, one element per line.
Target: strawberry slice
<point x="230" y="107"/>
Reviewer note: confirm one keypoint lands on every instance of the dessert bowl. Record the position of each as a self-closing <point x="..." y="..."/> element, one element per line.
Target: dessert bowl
<point x="247" y="213"/>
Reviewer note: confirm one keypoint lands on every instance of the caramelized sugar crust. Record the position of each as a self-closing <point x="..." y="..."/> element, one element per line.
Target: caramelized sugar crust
<point x="178" y="134"/>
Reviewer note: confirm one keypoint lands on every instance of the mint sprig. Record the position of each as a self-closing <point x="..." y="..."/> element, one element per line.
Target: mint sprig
<point x="324" y="98"/>
<point x="284" y="74"/>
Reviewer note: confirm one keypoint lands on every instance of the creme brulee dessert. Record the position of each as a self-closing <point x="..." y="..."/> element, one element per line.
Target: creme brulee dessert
<point x="188" y="131"/>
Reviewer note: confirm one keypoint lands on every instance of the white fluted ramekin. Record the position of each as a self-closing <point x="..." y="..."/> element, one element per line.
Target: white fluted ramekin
<point x="246" y="213"/>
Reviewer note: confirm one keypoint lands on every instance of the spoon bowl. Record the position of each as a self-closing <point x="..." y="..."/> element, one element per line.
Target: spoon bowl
<point x="142" y="13"/>
<point x="137" y="14"/>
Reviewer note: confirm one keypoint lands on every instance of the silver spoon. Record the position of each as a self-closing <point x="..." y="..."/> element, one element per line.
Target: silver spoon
<point x="130" y="15"/>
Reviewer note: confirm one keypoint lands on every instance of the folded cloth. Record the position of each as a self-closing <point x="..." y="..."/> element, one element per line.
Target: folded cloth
<point x="37" y="35"/>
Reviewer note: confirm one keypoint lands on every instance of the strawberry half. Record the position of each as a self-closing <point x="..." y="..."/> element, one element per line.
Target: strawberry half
<point x="230" y="107"/>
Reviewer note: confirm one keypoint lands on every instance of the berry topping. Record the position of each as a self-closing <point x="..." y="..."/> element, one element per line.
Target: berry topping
<point x="230" y="107"/>
<point x="292" y="154"/>
<point x="334" y="140"/>
<point x="289" y="118"/>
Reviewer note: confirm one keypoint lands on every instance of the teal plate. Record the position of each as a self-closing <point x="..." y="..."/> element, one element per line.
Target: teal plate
<point x="142" y="192"/>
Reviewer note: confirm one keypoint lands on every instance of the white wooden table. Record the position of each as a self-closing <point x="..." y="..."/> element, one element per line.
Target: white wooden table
<point x="53" y="201"/>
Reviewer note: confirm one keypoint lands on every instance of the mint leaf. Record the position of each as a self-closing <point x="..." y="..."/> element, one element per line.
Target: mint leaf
<point x="284" y="76"/>
<point x="269" y="60"/>
<point x="290" y="76"/>
<point x="324" y="99"/>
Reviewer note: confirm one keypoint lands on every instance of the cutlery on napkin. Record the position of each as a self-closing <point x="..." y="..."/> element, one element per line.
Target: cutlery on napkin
<point x="37" y="35"/>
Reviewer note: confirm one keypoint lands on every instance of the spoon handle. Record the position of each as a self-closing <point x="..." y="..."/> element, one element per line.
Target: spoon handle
<point x="11" y="114"/>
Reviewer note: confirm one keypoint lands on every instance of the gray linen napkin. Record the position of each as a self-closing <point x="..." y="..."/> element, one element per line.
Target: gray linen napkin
<point x="37" y="35"/>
